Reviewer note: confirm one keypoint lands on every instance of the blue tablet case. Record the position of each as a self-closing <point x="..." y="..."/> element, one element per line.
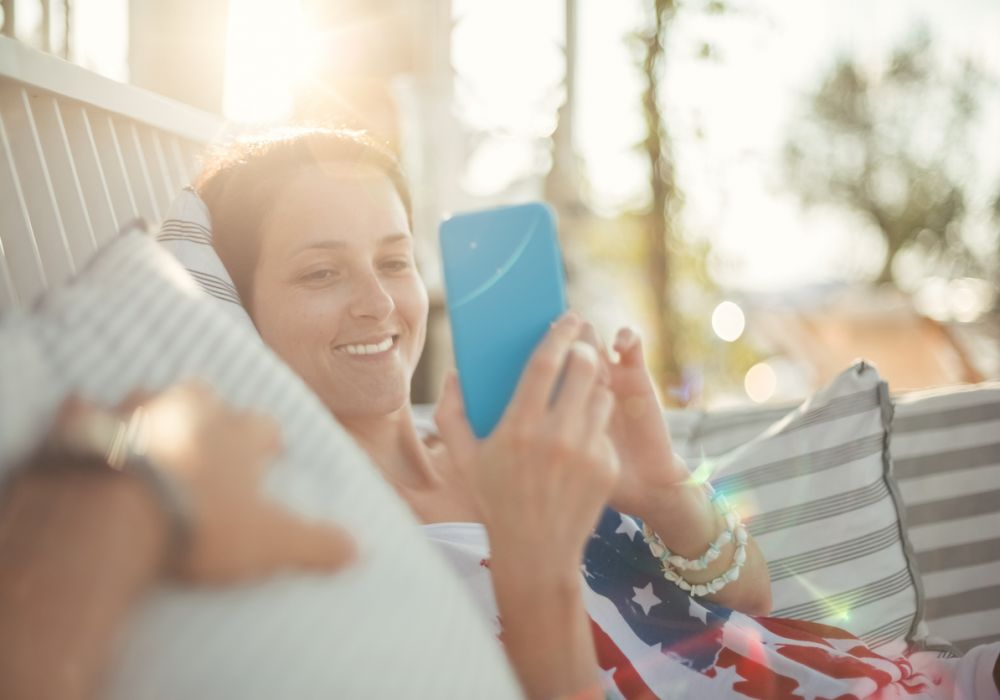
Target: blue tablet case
<point x="504" y="285"/>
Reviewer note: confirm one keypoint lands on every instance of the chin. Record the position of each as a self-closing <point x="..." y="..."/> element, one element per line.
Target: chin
<point x="369" y="406"/>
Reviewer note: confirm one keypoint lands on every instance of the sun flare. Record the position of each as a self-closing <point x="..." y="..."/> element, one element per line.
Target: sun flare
<point x="269" y="51"/>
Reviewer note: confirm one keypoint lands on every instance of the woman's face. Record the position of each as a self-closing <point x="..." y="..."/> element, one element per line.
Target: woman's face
<point x="336" y="292"/>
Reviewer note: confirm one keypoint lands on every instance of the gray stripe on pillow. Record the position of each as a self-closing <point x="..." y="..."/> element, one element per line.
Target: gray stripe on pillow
<point x="837" y="408"/>
<point x="936" y="420"/>
<point x="96" y="319"/>
<point x="938" y="462"/>
<point x="800" y="465"/>
<point x="965" y="644"/>
<point x="215" y="286"/>
<point x="817" y="510"/>
<point x="851" y="599"/>
<point x="181" y="226"/>
<point x="197" y="237"/>
<point x="959" y="555"/>
<point x="975" y="600"/>
<point x="712" y="424"/>
<point x="953" y="508"/>
<point x="890" y="631"/>
<point x="835" y="554"/>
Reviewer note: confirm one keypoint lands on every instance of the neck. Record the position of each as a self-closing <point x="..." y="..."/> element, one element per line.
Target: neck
<point x="394" y="445"/>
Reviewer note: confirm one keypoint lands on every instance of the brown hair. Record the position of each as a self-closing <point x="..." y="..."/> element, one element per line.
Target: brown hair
<point x="241" y="182"/>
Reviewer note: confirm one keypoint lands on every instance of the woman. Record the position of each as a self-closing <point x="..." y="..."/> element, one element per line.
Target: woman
<point x="315" y="228"/>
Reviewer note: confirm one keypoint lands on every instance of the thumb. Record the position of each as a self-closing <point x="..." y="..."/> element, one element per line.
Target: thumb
<point x="452" y="422"/>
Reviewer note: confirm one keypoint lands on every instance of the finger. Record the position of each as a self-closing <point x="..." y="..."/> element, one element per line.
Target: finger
<point x="581" y="377"/>
<point x="265" y="431"/>
<point x="134" y="400"/>
<point x="531" y="398"/>
<point x="589" y="335"/>
<point x="310" y="545"/>
<point x="600" y="408"/>
<point x="452" y="423"/>
<point x="628" y="345"/>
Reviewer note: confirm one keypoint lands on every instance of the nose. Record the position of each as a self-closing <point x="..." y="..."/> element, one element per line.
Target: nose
<point x="371" y="300"/>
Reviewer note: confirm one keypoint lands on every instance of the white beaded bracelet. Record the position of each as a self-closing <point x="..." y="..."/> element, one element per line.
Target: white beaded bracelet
<point x="673" y="564"/>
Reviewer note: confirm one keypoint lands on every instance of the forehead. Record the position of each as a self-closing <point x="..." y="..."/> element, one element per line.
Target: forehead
<point x="343" y="201"/>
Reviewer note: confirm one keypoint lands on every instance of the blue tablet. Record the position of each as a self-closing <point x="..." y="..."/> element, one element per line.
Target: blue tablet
<point x="504" y="285"/>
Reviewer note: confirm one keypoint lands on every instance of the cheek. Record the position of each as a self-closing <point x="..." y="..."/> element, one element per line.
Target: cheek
<point x="288" y="321"/>
<point x="415" y="307"/>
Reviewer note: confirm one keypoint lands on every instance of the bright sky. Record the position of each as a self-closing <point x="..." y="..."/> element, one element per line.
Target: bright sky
<point x="727" y="115"/>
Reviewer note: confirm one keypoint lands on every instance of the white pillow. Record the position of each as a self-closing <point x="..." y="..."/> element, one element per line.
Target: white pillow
<point x="186" y="232"/>
<point x="815" y="490"/>
<point x="396" y="625"/>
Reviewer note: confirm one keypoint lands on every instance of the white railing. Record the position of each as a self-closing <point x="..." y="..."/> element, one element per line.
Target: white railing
<point x="80" y="155"/>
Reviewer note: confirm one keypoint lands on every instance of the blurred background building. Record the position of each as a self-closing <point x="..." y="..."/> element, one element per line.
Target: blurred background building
<point x="767" y="189"/>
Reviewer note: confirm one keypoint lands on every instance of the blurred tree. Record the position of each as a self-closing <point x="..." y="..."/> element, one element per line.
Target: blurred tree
<point x="898" y="145"/>
<point x="664" y="205"/>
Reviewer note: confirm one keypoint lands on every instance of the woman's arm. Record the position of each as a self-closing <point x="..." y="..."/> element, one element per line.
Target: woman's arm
<point x="77" y="548"/>
<point x="657" y="488"/>
<point x="80" y="544"/>
<point x="687" y="522"/>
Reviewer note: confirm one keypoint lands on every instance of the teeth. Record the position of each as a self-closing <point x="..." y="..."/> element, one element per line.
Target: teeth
<point x="367" y="349"/>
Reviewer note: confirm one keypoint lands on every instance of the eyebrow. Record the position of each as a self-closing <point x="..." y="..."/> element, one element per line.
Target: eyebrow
<point x="336" y="245"/>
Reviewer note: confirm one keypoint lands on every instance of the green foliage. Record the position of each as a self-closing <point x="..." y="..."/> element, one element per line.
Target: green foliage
<point x="896" y="144"/>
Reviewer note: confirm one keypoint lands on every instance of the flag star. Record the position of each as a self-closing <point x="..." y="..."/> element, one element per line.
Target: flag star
<point x="698" y="611"/>
<point x="627" y="527"/>
<point x="645" y="598"/>
<point x="585" y="571"/>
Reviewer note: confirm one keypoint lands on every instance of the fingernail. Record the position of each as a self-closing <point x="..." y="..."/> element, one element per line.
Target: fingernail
<point x="626" y="338"/>
<point x="584" y="350"/>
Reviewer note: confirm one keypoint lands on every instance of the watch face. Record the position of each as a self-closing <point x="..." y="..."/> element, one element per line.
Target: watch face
<point x="88" y="431"/>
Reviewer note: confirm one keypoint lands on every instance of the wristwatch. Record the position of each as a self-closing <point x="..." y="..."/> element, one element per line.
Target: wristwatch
<point x="91" y="435"/>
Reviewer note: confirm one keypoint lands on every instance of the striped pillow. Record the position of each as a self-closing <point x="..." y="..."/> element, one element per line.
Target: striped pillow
<point x="186" y="233"/>
<point x="134" y="319"/>
<point x="946" y="452"/>
<point x="814" y="490"/>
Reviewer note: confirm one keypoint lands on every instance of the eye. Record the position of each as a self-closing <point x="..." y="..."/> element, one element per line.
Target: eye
<point x="396" y="265"/>
<point x="320" y="275"/>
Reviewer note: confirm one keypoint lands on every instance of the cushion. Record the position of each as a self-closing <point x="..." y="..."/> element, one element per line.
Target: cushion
<point x="396" y="625"/>
<point x="814" y="489"/>
<point x="186" y="232"/>
<point x="946" y="456"/>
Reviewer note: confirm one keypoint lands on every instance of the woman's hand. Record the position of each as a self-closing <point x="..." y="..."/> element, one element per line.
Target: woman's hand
<point x="657" y="487"/>
<point x="217" y="457"/>
<point x="650" y="471"/>
<point x="79" y="544"/>
<point x="541" y="480"/>
<point x="548" y="466"/>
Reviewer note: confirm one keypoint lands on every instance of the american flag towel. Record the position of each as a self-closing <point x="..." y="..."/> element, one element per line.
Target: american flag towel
<point x="654" y="641"/>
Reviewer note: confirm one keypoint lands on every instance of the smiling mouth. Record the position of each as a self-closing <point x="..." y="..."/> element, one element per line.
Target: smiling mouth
<point x="367" y="348"/>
